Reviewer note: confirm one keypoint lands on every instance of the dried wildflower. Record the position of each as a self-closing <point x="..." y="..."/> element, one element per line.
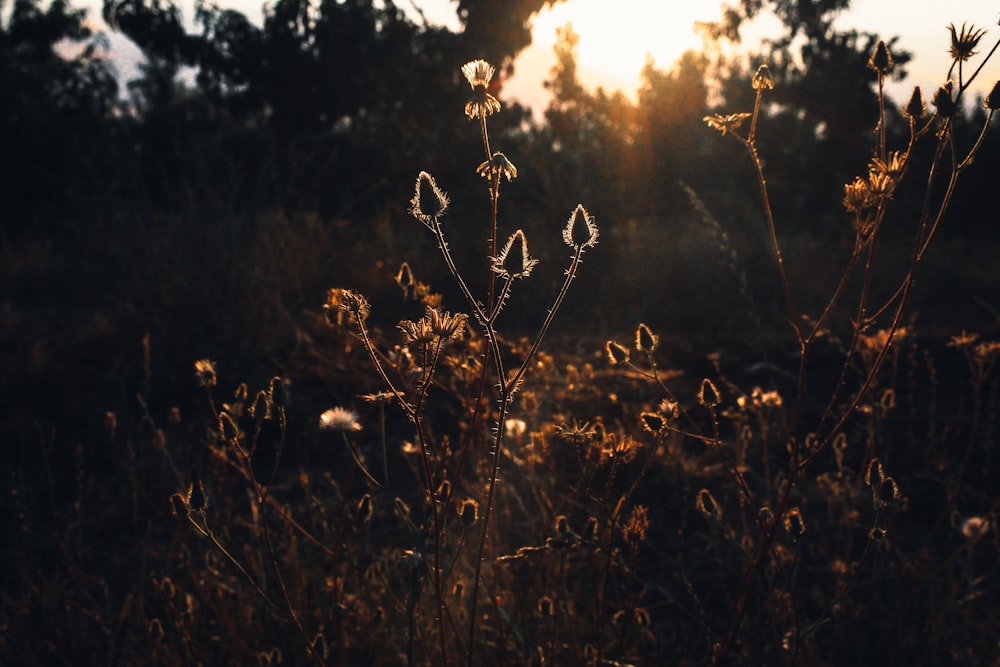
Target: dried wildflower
<point x="635" y="528"/>
<point x="892" y="166"/>
<point x="339" y="419"/>
<point x="879" y="184"/>
<point x="468" y="511"/>
<point x="497" y="166"/>
<point x="447" y="326"/>
<point x="429" y="202"/>
<point x="365" y="508"/>
<point x="580" y="230"/>
<point x="479" y="73"/>
<point x="857" y="196"/>
<point x="794" y="523"/>
<point x="617" y="354"/>
<point x="204" y="370"/>
<point x="762" y="79"/>
<point x="707" y="504"/>
<point x="915" y="107"/>
<point x="975" y="526"/>
<point x="499" y="263"/>
<point x="874" y="474"/>
<point x="196" y="500"/>
<point x="946" y="106"/>
<point x="645" y="339"/>
<point x="886" y="492"/>
<point x="653" y="422"/>
<point x="726" y="124"/>
<point x="545" y="606"/>
<point x="992" y="101"/>
<point x="417" y="333"/>
<point x="577" y="432"/>
<point x="708" y="394"/>
<point x="405" y="279"/>
<point x="881" y="60"/>
<point x="964" y="41"/>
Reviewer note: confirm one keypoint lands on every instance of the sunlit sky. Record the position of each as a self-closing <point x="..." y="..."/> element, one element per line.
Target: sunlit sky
<point x="615" y="37"/>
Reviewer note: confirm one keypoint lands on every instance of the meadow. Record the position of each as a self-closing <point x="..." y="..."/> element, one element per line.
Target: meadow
<point x="707" y="379"/>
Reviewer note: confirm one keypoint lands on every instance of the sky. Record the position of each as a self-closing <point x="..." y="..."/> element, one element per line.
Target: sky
<point x="616" y="37"/>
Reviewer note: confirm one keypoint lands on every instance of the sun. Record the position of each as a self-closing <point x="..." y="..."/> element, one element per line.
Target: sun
<point x="617" y="37"/>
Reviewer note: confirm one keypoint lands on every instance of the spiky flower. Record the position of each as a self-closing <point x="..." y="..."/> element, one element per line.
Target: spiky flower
<point x="617" y="354"/>
<point x="479" y="73"/>
<point x="204" y="369"/>
<point x="915" y="108"/>
<point x="645" y="339"/>
<point x="429" y="201"/>
<point x="881" y="60"/>
<point x="946" y="106"/>
<point x="497" y="166"/>
<point x="708" y="394"/>
<point x="339" y="419"/>
<point x="499" y="263"/>
<point x="857" y="196"/>
<point x="762" y="79"/>
<point x="419" y="332"/>
<point x="726" y="124"/>
<point x="892" y="166"/>
<point x="580" y="230"/>
<point x="964" y="41"/>
<point x="446" y="325"/>
<point x="992" y="101"/>
<point x="355" y="304"/>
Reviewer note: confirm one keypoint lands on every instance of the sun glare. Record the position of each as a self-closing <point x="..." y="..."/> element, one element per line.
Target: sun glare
<point x="617" y="37"/>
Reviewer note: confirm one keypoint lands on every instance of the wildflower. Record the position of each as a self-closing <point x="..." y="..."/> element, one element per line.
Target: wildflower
<point x="479" y="73"/>
<point x="468" y="511"/>
<point x="892" y="166"/>
<point x="579" y="432"/>
<point x="992" y="101"/>
<point x="653" y="422"/>
<point x="417" y="332"/>
<point x="617" y="354"/>
<point x="915" y="107"/>
<point x="500" y="261"/>
<point x="725" y="124"/>
<point x="762" y="79"/>
<point x="339" y="419"/>
<point x="445" y="325"/>
<point x="964" y="41"/>
<point x="975" y="526"/>
<point x="881" y="60"/>
<point x="708" y="394"/>
<point x="946" y="106"/>
<point x="879" y="184"/>
<point x="645" y="339"/>
<point x="497" y="166"/>
<point x="636" y="526"/>
<point x="204" y="370"/>
<point x="428" y="203"/>
<point x="580" y="230"/>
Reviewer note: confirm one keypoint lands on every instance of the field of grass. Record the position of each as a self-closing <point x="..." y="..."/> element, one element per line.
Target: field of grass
<point x="231" y="445"/>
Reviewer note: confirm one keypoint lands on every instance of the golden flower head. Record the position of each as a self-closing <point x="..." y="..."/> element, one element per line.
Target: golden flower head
<point x="964" y="41"/>
<point x="339" y="419"/>
<point x="726" y="124"/>
<point x="499" y="263"/>
<point x="497" y="166"/>
<point x="429" y="201"/>
<point x="580" y="230"/>
<point x="857" y="196"/>
<point x="762" y="79"/>
<point x="479" y="73"/>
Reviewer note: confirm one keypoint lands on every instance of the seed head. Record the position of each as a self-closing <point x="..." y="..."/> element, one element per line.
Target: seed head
<point x="964" y="41"/>
<point x="707" y="504"/>
<point x="653" y="422"/>
<point x="339" y="419"/>
<point x="499" y="263"/>
<point x="468" y="511"/>
<point x="204" y="370"/>
<point x="445" y="325"/>
<point x="617" y="354"/>
<point x="726" y="124"/>
<point x="915" y="108"/>
<point x="794" y="523"/>
<point x="645" y="339"/>
<point x="428" y="202"/>
<point x="881" y="60"/>
<point x="762" y="79"/>
<point x="479" y="73"/>
<point x="580" y="230"/>
<point x="946" y="106"/>
<point x="992" y="101"/>
<point x="708" y="394"/>
<point x="196" y="500"/>
<point x="497" y="166"/>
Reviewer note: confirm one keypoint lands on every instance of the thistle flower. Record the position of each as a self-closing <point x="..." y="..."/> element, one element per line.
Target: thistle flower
<point x="339" y="419"/>
<point x="726" y="124"/>
<point x="499" y="263"/>
<point x="992" y="101"/>
<point x="479" y="73"/>
<point x="915" y="107"/>
<point x="497" y="166"/>
<point x="580" y="230"/>
<point x="964" y="41"/>
<point x="645" y="339"/>
<point x="708" y="394"/>
<point x="762" y="79"/>
<point x="204" y="370"/>
<point x="892" y="166"/>
<point x="946" y="106"/>
<point x="881" y="60"/>
<point x="617" y="354"/>
<point x="419" y="332"/>
<point x="354" y="303"/>
<point x="429" y="201"/>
